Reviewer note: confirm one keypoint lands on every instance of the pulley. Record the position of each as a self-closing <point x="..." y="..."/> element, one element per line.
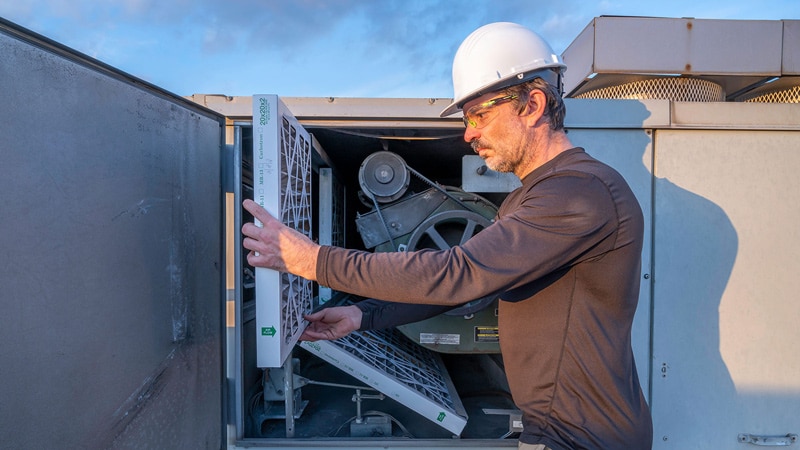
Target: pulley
<point x="384" y="176"/>
<point x="440" y="217"/>
<point x="448" y="229"/>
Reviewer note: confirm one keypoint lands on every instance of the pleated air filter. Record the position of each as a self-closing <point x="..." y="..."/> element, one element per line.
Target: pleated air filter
<point x="403" y="371"/>
<point x="282" y="185"/>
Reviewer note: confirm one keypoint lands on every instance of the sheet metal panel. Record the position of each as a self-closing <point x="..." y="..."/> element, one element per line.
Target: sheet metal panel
<point x="579" y="58"/>
<point x="741" y="52"/>
<point x="604" y="113"/>
<point x="687" y="46"/>
<point x="725" y="287"/>
<point x="736" y="116"/>
<point x="111" y="268"/>
<point x="791" y="47"/>
<point x="336" y="112"/>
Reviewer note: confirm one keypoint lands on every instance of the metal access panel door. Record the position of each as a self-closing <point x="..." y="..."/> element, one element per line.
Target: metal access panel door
<point x="725" y="337"/>
<point x="110" y="335"/>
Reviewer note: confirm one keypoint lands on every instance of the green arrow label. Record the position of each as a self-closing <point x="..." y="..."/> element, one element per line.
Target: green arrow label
<point x="441" y="417"/>
<point x="268" y="331"/>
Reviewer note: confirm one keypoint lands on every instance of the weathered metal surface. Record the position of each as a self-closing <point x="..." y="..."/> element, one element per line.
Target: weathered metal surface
<point x="111" y="257"/>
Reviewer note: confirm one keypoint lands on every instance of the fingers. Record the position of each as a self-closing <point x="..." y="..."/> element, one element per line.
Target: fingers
<point x="278" y="246"/>
<point x="257" y="211"/>
<point x="250" y="230"/>
<point x="313" y="333"/>
<point x="315" y="317"/>
<point x="307" y="336"/>
<point x="325" y="324"/>
<point x="311" y="336"/>
<point x="257" y="240"/>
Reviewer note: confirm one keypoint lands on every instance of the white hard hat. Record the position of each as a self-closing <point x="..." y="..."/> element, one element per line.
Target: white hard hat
<point x="499" y="55"/>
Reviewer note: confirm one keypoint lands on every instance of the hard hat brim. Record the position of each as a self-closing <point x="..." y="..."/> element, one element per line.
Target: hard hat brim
<point x="550" y="74"/>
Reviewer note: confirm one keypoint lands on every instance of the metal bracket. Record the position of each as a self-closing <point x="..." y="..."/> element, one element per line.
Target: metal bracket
<point x="514" y="419"/>
<point x="358" y="397"/>
<point x="768" y="441"/>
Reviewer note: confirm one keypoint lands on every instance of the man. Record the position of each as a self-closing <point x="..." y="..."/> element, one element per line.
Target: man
<point x="564" y="254"/>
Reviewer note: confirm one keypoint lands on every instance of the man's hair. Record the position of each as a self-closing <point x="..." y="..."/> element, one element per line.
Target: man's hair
<point x="554" y="110"/>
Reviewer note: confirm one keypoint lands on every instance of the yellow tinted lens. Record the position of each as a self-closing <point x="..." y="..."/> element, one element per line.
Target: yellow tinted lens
<point x="478" y="116"/>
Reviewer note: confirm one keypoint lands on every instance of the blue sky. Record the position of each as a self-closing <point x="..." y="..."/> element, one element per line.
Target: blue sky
<point x="318" y="48"/>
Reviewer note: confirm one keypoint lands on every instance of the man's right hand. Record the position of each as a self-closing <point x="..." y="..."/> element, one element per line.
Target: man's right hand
<point x="332" y="323"/>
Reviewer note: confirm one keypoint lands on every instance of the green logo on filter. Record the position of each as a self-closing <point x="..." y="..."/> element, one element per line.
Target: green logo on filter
<point x="441" y="417"/>
<point x="268" y="331"/>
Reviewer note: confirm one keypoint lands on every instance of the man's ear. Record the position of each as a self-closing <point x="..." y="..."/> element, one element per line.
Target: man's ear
<point x="535" y="107"/>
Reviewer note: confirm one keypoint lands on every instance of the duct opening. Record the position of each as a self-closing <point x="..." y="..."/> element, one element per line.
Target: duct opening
<point x="778" y="94"/>
<point x="680" y="89"/>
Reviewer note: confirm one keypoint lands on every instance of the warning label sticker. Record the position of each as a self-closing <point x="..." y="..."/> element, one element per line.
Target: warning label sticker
<point x="437" y="338"/>
<point x="487" y="334"/>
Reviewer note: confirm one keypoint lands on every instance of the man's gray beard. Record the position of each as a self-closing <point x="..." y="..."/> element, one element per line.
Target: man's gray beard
<point x="505" y="166"/>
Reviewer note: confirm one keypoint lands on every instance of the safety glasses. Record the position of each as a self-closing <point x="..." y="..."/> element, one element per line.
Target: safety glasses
<point x="481" y="114"/>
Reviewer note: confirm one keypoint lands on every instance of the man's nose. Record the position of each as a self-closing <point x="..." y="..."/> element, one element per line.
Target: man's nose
<point x="470" y="134"/>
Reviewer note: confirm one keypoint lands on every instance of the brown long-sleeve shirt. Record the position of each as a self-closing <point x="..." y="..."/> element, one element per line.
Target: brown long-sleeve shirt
<point x="565" y="252"/>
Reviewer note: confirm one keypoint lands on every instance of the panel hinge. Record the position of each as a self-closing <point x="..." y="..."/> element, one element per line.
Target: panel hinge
<point x="768" y="441"/>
